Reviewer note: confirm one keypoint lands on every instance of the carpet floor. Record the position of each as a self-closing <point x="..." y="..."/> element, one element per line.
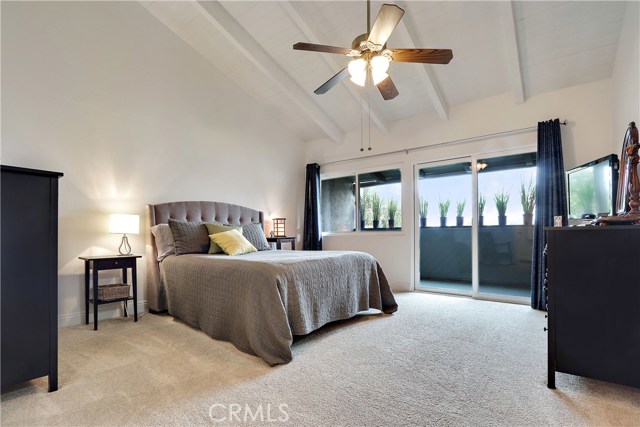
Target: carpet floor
<point x="438" y="361"/>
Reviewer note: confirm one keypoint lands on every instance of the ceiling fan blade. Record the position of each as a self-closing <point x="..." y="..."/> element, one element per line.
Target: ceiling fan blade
<point x="332" y="81"/>
<point x="386" y="22"/>
<point x="321" y="48"/>
<point x="426" y="56"/>
<point x="387" y="89"/>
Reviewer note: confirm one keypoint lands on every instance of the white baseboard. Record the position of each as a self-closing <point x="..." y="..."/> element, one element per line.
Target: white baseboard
<point x="110" y="311"/>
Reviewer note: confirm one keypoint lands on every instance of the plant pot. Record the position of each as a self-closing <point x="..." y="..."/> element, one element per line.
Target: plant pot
<point x="527" y="219"/>
<point x="376" y="223"/>
<point x="443" y="221"/>
<point x="480" y="221"/>
<point x="459" y="221"/>
<point x="423" y="222"/>
<point x="392" y="223"/>
<point x="502" y="220"/>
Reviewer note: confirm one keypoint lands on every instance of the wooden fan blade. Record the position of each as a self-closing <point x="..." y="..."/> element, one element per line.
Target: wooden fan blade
<point x="332" y="81"/>
<point x="387" y="89"/>
<point x="386" y="22"/>
<point x="321" y="48"/>
<point x="426" y="56"/>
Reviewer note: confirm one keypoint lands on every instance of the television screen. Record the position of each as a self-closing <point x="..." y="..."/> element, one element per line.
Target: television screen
<point x="592" y="188"/>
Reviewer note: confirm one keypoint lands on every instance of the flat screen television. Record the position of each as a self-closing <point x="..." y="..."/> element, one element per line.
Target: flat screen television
<point x="592" y="188"/>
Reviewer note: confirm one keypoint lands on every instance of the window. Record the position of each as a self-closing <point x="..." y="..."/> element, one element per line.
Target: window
<point x="379" y="196"/>
<point x="338" y="204"/>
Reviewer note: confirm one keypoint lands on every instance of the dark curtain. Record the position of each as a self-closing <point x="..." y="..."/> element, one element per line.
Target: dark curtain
<point x="551" y="200"/>
<point x="312" y="237"/>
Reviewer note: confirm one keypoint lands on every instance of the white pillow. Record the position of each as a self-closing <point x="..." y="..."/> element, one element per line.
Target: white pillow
<point x="164" y="240"/>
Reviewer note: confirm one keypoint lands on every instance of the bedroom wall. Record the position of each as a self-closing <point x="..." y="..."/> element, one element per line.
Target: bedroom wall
<point x="626" y="78"/>
<point x="104" y="93"/>
<point x="587" y="136"/>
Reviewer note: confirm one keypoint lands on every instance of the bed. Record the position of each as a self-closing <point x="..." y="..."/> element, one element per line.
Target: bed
<point x="258" y="301"/>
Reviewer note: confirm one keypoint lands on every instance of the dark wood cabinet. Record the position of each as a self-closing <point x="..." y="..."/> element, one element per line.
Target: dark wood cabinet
<point x="29" y="295"/>
<point x="593" y="290"/>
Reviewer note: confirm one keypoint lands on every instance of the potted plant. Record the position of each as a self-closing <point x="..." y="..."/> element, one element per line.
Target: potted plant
<point x="444" y="209"/>
<point x="392" y="210"/>
<point x="482" y="202"/>
<point x="502" y="198"/>
<point x="424" y="208"/>
<point x="376" y="205"/>
<point x="528" y="200"/>
<point x="459" y="212"/>
<point x="365" y="206"/>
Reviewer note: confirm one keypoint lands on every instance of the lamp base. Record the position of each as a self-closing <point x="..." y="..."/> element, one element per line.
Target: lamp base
<point x="125" y="247"/>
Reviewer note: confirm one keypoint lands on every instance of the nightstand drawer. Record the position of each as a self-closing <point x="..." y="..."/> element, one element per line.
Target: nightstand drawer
<point x="112" y="264"/>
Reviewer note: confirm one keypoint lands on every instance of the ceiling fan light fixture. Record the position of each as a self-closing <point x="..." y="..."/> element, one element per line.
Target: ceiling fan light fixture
<point x="379" y="64"/>
<point x="378" y="76"/>
<point x="358" y="71"/>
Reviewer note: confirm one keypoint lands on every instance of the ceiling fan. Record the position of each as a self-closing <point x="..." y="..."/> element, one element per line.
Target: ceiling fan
<point x="371" y="57"/>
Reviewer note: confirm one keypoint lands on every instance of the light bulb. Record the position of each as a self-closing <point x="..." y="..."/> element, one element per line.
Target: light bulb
<point x="380" y="64"/>
<point x="357" y="69"/>
<point x="378" y="76"/>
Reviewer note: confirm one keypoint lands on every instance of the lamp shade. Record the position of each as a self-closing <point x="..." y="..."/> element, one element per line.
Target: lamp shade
<point x="358" y="71"/>
<point x="279" y="227"/>
<point x="124" y="224"/>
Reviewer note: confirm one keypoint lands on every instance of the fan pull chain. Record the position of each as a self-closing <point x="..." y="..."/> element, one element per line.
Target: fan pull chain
<point x="369" y="114"/>
<point x="361" y="128"/>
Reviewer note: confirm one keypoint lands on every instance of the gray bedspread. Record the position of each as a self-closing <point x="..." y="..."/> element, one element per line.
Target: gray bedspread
<point x="259" y="301"/>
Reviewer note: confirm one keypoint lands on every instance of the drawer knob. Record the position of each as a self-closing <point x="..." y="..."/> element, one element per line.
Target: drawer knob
<point x="545" y="329"/>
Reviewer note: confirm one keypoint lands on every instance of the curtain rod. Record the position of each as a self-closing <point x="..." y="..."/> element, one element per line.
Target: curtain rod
<point x="439" y="144"/>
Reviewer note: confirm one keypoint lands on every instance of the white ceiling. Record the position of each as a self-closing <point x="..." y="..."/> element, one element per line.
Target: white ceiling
<point x="523" y="47"/>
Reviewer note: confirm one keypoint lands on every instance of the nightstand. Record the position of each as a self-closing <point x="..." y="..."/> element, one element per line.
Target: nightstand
<point x="280" y="240"/>
<point x="94" y="264"/>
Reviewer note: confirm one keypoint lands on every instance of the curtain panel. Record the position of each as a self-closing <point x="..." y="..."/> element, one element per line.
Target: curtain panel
<point x="312" y="240"/>
<point x="551" y="201"/>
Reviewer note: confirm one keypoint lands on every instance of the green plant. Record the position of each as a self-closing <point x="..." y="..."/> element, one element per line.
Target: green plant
<point x="392" y="210"/>
<point x="460" y="207"/>
<point x="528" y="197"/>
<point x="482" y="202"/>
<point x="424" y="208"/>
<point x="444" y="207"/>
<point x="502" y="198"/>
<point x="376" y="205"/>
<point x="365" y="203"/>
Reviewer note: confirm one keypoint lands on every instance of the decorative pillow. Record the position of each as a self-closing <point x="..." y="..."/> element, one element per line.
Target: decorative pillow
<point x="215" y="229"/>
<point x="164" y="240"/>
<point x="233" y="243"/>
<point x="189" y="237"/>
<point x="255" y="234"/>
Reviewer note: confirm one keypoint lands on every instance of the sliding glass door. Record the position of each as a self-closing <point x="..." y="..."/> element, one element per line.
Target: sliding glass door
<point x="444" y="236"/>
<point x="474" y="233"/>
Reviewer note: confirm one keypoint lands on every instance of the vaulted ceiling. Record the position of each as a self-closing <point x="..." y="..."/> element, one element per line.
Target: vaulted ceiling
<point x="523" y="47"/>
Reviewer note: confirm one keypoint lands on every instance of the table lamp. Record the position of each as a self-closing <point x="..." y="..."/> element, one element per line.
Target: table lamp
<point x="124" y="224"/>
<point x="278" y="227"/>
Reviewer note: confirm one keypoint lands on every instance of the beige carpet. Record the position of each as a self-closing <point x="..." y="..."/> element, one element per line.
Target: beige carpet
<point x="438" y="361"/>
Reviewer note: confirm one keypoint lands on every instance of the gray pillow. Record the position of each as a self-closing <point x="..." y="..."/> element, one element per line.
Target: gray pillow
<point x="164" y="240"/>
<point x="189" y="237"/>
<point x="254" y="234"/>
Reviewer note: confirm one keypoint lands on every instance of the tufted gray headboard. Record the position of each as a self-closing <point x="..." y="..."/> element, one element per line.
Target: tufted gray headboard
<point x="223" y="213"/>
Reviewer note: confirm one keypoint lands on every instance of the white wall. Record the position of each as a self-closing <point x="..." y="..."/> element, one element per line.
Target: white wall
<point x="586" y="137"/>
<point x="104" y="93"/>
<point x="626" y="76"/>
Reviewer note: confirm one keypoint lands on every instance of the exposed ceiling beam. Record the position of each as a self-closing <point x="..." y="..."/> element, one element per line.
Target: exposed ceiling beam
<point x="218" y="16"/>
<point x="292" y="10"/>
<point x="513" y="52"/>
<point x="406" y="32"/>
<point x="224" y="23"/>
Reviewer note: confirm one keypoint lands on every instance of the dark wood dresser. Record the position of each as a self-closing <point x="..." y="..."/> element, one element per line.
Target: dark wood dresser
<point x="29" y="289"/>
<point x="593" y="290"/>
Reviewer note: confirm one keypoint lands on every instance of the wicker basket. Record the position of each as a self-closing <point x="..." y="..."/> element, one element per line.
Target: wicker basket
<point x="113" y="291"/>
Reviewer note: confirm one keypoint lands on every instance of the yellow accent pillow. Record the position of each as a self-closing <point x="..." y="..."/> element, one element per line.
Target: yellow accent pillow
<point x="215" y="229"/>
<point x="233" y="242"/>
